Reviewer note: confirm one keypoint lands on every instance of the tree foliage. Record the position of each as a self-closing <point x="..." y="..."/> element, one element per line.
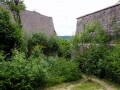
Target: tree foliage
<point x="11" y="34"/>
<point x="94" y="32"/>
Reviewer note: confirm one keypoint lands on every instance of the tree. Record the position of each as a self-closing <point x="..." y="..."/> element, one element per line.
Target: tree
<point x="10" y="33"/>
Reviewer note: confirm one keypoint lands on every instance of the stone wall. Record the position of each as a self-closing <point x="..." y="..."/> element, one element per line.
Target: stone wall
<point x="105" y="16"/>
<point x="33" y="21"/>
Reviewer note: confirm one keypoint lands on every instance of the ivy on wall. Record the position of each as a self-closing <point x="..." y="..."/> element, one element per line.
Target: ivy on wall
<point x="16" y="6"/>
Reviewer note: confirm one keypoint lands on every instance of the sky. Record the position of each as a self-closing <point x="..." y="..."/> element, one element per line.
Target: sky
<point x="65" y="12"/>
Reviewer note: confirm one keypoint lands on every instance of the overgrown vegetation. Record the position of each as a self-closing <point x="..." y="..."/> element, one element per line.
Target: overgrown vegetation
<point x="34" y="60"/>
<point x="36" y="71"/>
<point x="64" y="49"/>
<point x="94" y="32"/>
<point x="16" y="6"/>
<point x="97" y="57"/>
<point x="49" y="46"/>
<point x="40" y="61"/>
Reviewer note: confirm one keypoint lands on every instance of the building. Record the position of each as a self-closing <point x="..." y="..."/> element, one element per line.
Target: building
<point x="105" y="16"/>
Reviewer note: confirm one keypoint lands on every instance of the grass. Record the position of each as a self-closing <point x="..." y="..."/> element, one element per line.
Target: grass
<point x="112" y="84"/>
<point x="89" y="86"/>
<point x="64" y="85"/>
<point x="85" y="85"/>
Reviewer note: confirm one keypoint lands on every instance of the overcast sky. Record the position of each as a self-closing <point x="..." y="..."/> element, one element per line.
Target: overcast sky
<point x="65" y="12"/>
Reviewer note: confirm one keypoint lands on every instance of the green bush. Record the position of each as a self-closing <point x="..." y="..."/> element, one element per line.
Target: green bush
<point x="36" y="71"/>
<point x="21" y="73"/>
<point x="58" y="69"/>
<point x="49" y="46"/>
<point x="52" y="46"/>
<point x="38" y="38"/>
<point x="102" y="36"/>
<point x="85" y="35"/>
<point x="99" y="35"/>
<point x="11" y="34"/>
<point x="113" y="67"/>
<point x="64" y="49"/>
<point x="95" y="54"/>
<point x="35" y="39"/>
<point x="67" y="70"/>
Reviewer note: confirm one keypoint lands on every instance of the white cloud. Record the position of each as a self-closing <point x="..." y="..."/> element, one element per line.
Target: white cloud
<point x="65" y="12"/>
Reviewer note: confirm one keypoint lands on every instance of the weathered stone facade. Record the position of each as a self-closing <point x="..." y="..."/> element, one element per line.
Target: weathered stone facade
<point x="33" y="21"/>
<point x="105" y="16"/>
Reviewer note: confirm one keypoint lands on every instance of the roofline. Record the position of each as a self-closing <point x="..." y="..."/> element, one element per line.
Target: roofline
<point x="99" y="10"/>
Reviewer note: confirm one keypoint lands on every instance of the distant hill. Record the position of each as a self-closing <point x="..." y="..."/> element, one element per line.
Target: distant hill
<point x="66" y="37"/>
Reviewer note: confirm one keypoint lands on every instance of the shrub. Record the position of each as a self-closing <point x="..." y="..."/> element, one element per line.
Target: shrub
<point x="68" y="70"/>
<point x="102" y="36"/>
<point x="36" y="71"/>
<point x="21" y="73"/>
<point x="60" y="70"/>
<point x="85" y="35"/>
<point x="49" y="46"/>
<point x="38" y="38"/>
<point x="96" y="54"/>
<point x="64" y="49"/>
<point x="52" y="46"/>
<point x="94" y="33"/>
<point x="113" y="67"/>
